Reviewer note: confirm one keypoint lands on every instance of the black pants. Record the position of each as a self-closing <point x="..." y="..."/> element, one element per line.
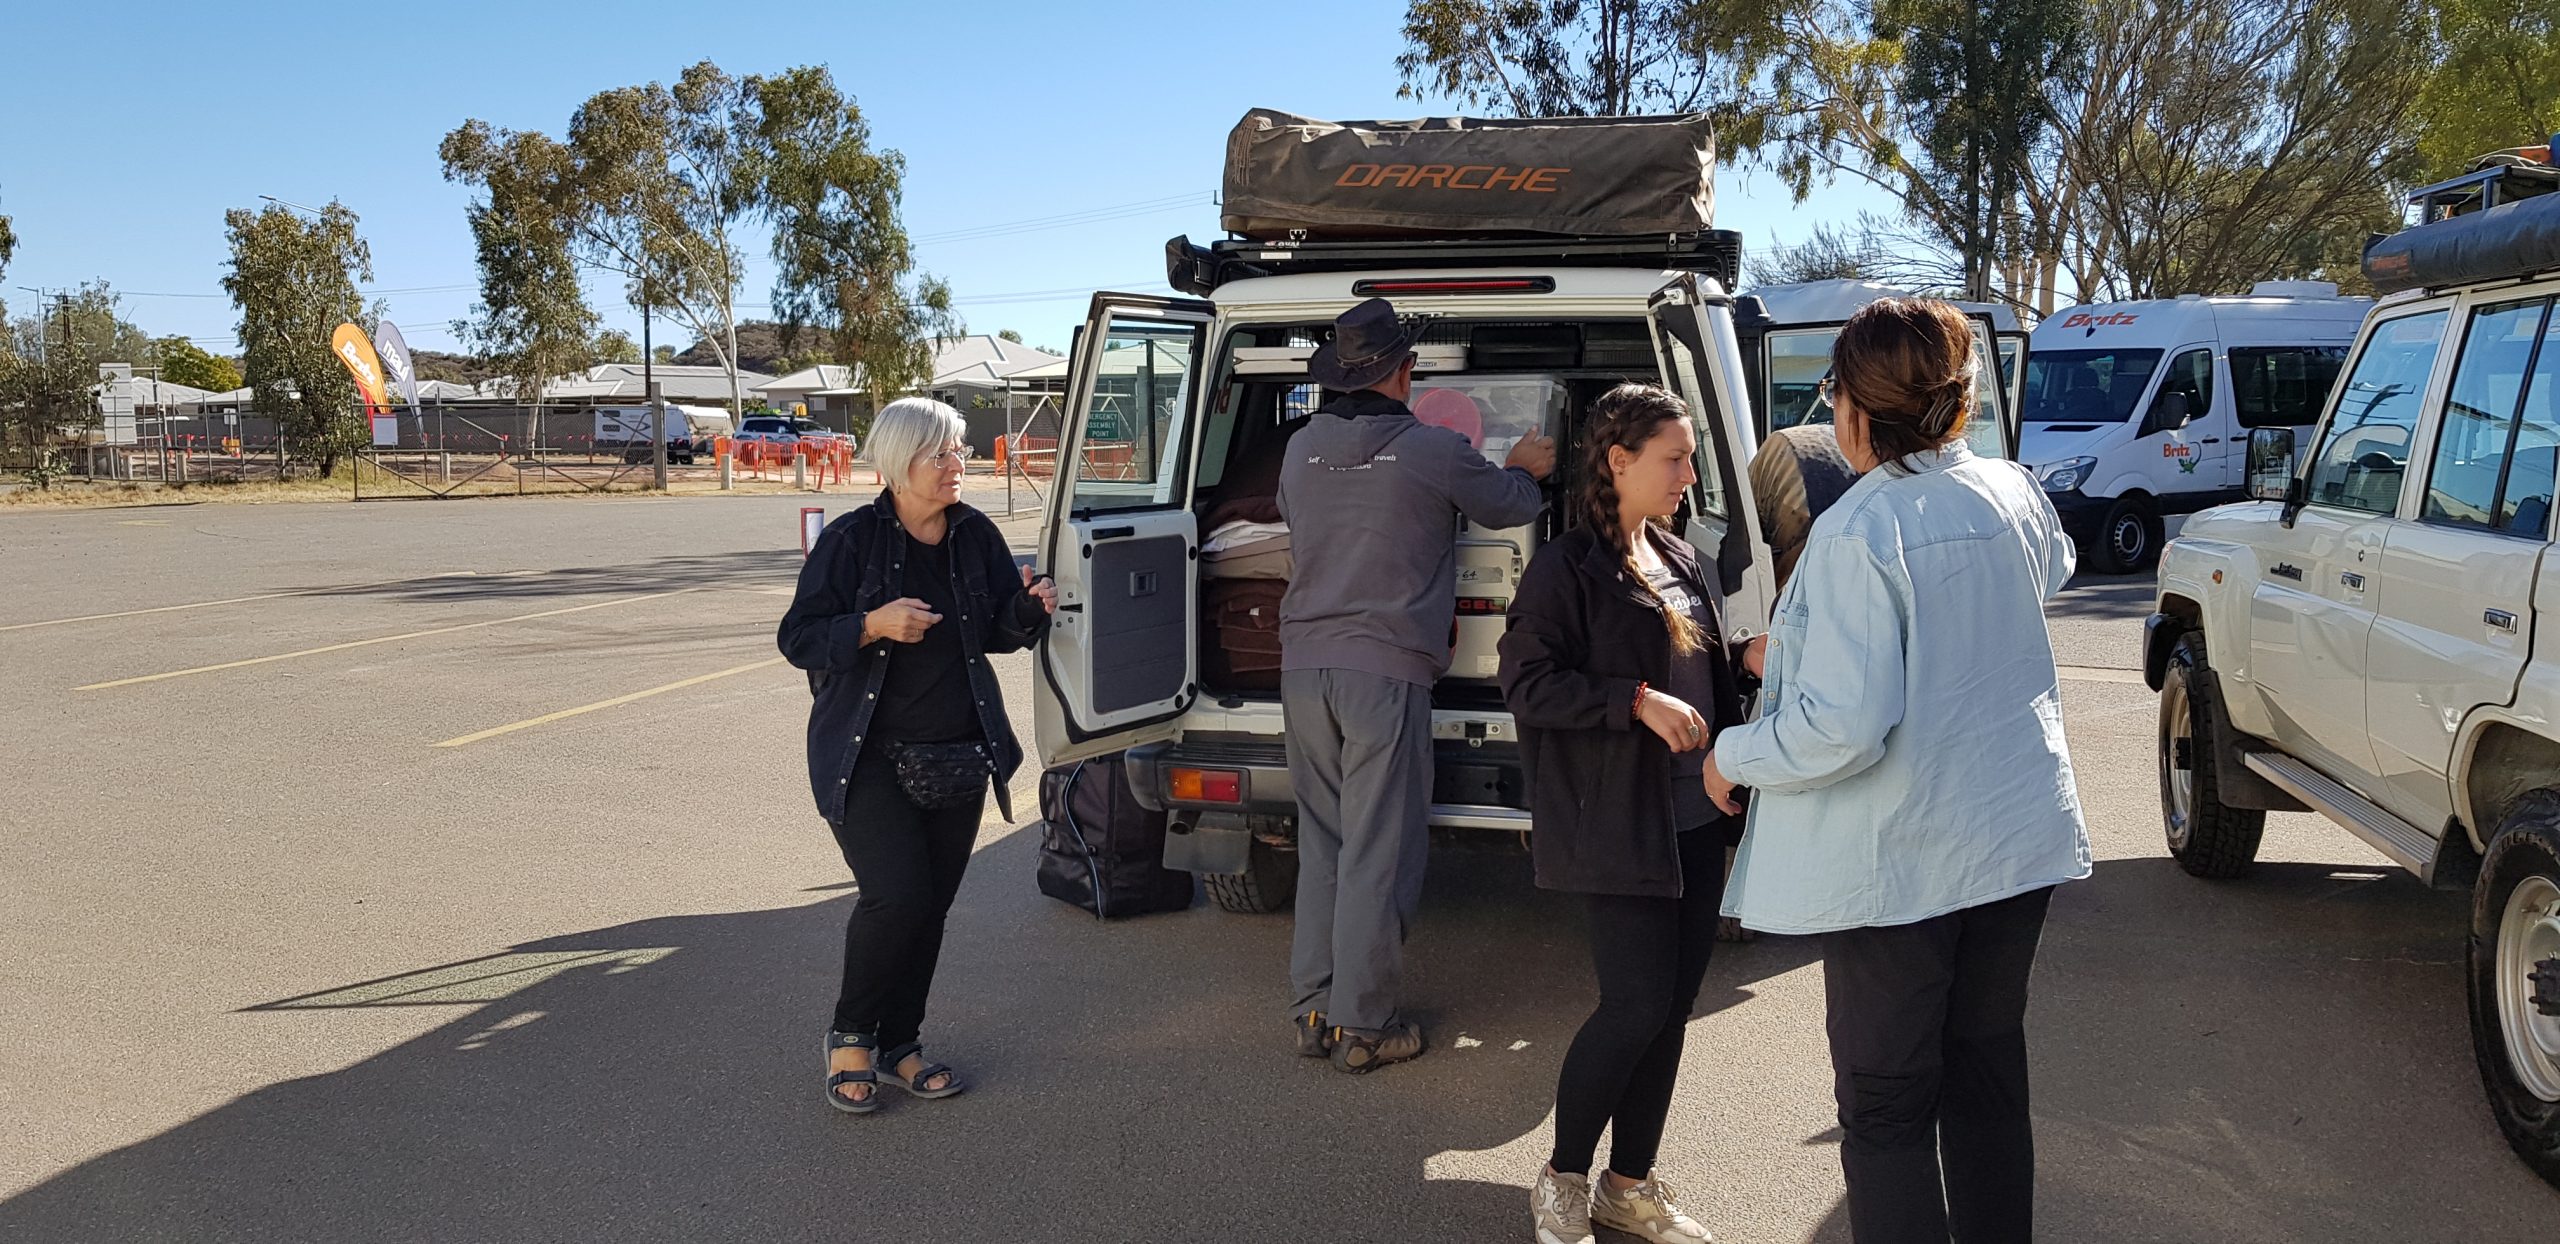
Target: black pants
<point x="1650" y="954"/>
<point x="908" y="862"/>
<point x="1929" y="1062"/>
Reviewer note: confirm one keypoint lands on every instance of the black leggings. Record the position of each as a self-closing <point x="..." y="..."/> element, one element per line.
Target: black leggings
<point x="908" y="862"/>
<point x="1650" y="954"/>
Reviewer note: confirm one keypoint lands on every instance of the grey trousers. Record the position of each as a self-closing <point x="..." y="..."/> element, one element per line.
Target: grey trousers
<point x="1360" y="756"/>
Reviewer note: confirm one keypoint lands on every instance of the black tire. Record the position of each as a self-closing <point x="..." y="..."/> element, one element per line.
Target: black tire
<point x="1267" y="884"/>
<point x="2129" y="538"/>
<point x="2526" y="852"/>
<point x="2207" y="838"/>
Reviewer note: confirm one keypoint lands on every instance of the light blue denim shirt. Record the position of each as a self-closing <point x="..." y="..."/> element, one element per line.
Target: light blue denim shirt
<point x="1908" y="757"/>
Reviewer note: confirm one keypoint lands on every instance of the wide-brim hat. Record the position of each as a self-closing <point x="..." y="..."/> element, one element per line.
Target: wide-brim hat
<point x="1369" y="343"/>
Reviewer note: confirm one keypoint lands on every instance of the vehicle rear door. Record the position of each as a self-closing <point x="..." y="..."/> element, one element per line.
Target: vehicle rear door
<point x="2453" y="591"/>
<point x="1693" y="342"/>
<point x="1120" y="664"/>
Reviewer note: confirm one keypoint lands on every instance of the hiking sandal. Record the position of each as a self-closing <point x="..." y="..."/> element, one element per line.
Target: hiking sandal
<point x="1360" y="1053"/>
<point x="838" y="1079"/>
<point x="952" y="1086"/>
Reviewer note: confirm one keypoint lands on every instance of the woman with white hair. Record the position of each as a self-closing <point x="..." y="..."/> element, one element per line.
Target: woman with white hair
<point x="899" y="606"/>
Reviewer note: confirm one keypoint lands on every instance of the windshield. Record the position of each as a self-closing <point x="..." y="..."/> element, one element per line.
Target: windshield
<point x="2086" y="386"/>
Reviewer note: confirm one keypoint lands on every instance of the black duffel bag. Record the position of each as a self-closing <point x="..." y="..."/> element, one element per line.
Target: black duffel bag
<point x="1100" y="849"/>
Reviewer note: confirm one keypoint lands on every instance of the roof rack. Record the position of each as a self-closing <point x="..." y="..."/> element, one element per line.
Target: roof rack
<point x="2500" y="177"/>
<point x="1200" y="270"/>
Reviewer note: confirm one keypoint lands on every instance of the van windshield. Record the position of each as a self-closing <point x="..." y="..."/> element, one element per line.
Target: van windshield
<point x="2085" y="386"/>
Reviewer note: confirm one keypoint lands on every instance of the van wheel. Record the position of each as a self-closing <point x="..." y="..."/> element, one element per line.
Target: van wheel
<point x="2207" y="838"/>
<point x="1267" y="884"/>
<point x="2130" y="538"/>
<point x="2515" y="980"/>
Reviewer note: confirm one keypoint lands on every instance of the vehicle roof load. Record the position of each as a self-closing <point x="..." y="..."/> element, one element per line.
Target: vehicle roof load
<point x="2294" y="289"/>
<point x="2513" y="239"/>
<point x="1289" y="176"/>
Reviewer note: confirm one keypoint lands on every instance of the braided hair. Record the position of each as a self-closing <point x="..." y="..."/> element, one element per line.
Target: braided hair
<point x="1629" y="417"/>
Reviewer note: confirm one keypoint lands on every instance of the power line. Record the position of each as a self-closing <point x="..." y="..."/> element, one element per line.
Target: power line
<point x="1067" y="220"/>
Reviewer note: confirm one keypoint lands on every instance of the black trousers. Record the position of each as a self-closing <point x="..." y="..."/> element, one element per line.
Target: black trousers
<point x="908" y="862"/>
<point x="1929" y="1062"/>
<point x="1650" y="954"/>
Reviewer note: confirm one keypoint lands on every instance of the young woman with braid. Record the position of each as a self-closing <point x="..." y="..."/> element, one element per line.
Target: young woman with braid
<point x="1616" y="669"/>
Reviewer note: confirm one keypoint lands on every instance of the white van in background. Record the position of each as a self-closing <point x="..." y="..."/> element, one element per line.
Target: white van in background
<point x="2137" y="410"/>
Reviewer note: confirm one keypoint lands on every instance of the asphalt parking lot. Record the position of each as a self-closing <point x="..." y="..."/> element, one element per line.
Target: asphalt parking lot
<point x="446" y="871"/>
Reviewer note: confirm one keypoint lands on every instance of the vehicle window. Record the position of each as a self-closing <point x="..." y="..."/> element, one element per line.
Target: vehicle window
<point x="2283" y="386"/>
<point x="2191" y="375"/>
<point x="2085" y="386"/>
<point x="805" y="426"/>
<point x="1798" y="360"/>
<point x="2482" y="447"/>
<point x="1129" y="454"/>
<point x="1687" y="377"/>
<point x="2364" y="452"/>
<point x="1984" y="434"/>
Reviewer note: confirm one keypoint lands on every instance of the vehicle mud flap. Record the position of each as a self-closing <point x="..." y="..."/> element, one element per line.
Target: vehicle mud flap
<point x="1208" y="842"/>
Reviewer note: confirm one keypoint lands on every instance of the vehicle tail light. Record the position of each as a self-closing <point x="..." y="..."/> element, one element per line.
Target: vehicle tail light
<point x="1456" y="285"/>
<point x="1206" y="785"/>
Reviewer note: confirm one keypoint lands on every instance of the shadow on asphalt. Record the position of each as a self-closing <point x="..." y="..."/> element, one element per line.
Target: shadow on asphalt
<point x="754" y="568"/>
<point x="2280" y="1058"/>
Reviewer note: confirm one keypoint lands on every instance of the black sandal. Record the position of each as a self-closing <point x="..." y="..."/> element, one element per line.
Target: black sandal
<point x="952" y="1085"/>
<point x="838" y="1079"/>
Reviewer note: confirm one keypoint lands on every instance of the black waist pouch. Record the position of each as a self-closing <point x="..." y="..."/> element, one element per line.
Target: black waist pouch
<point x="942" y="775"/>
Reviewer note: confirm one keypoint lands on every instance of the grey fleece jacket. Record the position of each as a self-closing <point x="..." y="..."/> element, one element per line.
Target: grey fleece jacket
<point x="1372" y="498"/>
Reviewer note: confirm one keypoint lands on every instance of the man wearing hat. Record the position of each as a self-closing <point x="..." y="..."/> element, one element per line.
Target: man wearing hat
<point x="1372" y="498"/>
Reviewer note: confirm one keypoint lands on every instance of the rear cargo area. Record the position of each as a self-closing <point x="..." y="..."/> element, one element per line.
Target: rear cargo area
<point x="1491" y="381"/>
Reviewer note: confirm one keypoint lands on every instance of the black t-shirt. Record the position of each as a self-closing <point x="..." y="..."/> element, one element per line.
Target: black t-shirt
<point x="1693" y="682"/>
<point x="925" y="697"/>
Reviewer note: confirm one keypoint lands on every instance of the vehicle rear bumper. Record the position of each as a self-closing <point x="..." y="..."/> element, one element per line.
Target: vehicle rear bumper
<point x="1474" y="786"/>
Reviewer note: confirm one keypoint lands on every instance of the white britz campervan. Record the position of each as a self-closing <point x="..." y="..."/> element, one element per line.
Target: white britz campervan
<point x="2133" y="411"/>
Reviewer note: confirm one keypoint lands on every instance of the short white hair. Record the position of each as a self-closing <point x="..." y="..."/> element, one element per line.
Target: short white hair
<point x="909" y="430"/>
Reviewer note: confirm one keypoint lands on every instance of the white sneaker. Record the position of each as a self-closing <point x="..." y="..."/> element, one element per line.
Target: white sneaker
<point x="1560" y="1205"/>
<point x="1648" y="1210"/>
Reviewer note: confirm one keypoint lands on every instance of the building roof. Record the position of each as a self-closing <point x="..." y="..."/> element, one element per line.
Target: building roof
<point x="823" y="377"/>
<point x="985" y="360"/>
<point x="677" y="382"/>
<point x="128" y="392"/>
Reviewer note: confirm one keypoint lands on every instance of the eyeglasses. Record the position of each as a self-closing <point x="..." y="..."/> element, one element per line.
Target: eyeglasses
<point x="1826" y="389"/>
<point x="949" y="457"/>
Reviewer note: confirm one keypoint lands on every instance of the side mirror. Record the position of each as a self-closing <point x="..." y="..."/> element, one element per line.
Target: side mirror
<point x="2169" y="412"/>
<point x="2271" y="474"/>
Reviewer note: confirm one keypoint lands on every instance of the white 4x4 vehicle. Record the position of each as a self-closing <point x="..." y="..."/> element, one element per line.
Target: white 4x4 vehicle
<point x="2377" y="638"/>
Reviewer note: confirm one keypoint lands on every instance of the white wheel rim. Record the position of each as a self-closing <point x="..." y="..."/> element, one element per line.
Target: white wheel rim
<point x="2177" y="783"/>
<point x="2529" y="935"/>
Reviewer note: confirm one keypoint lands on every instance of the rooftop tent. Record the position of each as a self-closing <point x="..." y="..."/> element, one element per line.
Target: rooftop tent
<point x="2513" y="239"/>
<point x="1288" y="175"/>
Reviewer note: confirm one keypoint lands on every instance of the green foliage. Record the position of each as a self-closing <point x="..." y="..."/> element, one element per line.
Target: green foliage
<point x="615" y="346"/>
<point x="532" y="321"/>
<point x="843" y="263"/>
<point x="2495" y="81"/>
<point x="294" y="281"/>
<point x="8" y="243"/>
<point x="1533" y="58"/>
<point x="49" y="366"/>
<point x="1007" y="334"/>
<point x="184" y="362"/>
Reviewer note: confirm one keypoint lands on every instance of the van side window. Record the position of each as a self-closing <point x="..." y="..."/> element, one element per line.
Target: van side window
<point x="2364" y="451"/>
<point x="2283" y="386"/>
<point x="2191" y="374"/>
<point x="2493" y="461"/>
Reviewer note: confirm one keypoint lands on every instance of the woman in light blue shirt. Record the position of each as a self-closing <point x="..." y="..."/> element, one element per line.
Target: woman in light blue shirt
<point x="1913" y="800"/>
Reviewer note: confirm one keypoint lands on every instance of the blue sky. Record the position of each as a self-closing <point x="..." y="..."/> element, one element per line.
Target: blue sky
<point x="135" y="126"/>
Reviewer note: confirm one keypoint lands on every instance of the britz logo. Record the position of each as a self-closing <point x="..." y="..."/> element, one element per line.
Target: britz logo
<point x="1453" y="177"/>
<point x="2175" y="450"/>
<point x="2113" y="319"/>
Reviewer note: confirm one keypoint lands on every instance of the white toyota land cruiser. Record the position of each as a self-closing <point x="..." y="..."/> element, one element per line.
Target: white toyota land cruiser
<point x="2377" y="636"/>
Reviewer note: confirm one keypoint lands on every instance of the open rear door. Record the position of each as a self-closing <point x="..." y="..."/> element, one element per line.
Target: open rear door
<point x="1120" y="664"/>
<point x="1693" y="341"/>
<point x="2012" y="353"/>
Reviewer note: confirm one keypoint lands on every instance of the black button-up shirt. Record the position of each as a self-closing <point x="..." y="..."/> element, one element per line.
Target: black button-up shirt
<point x="858" y="565"/>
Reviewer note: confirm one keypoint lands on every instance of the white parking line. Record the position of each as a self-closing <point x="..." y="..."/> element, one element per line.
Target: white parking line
<point x="616" y="702"/>
<point x="381" y="639"/>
